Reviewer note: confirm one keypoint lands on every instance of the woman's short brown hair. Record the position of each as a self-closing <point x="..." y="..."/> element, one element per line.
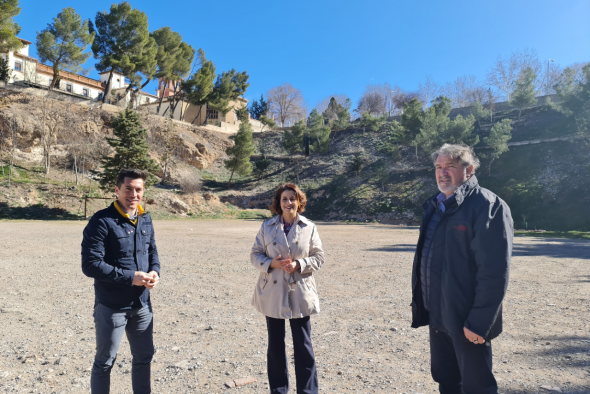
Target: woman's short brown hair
<point x="276" y="201"/>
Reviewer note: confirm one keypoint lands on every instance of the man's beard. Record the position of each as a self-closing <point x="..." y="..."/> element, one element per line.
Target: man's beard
<point x="447" y="189"/>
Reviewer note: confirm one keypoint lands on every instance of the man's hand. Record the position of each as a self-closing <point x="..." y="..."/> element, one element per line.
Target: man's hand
<point x="141" y="278"/>
<point x="473" y="337"/>
<point x="290" y="266"/>
<point x="153" y="281"/>
<point x="278" y="263"/>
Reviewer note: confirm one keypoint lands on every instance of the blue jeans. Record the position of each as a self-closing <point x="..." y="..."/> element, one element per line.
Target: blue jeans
<point x="110" y="324"/>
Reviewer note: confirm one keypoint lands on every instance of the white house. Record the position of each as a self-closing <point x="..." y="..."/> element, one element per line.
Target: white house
<point x="28" y="71"/>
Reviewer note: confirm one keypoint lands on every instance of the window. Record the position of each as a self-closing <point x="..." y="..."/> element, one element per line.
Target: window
<point x="212" y="114"/>
<point x="69" y="87"/>
<point x="18" y="66"/>
<point x="85" y="92"/>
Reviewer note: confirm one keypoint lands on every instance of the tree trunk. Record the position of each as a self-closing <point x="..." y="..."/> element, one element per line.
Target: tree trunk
<point x="416" y="153"/>
<point x="490" y="166"/>
<point x="11" y="165"/>
<point x="230" y="178"/>
<point x="160" y="103"/>
<point x="76" y="169"/>
<point x="165" y="169"/>
<point x="55" y="79"/>
<point x="198" y="115"/>
<point x="107" y="89"/>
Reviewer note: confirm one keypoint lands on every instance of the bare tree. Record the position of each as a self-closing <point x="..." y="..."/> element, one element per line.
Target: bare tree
<point x="550" y="78"/>
<point x="465" y="91"/>
<point x="579" y="76"/>
<point x="507" y="70"/>
<point x="428" y="91"/>
<point x="372" y="100"/>
<point x="12" y="125"/>
<point x="402" y="97"/>
<point x="49" y="125"/>
<point x="389" y="97"/>
<point x="286" y="103"/>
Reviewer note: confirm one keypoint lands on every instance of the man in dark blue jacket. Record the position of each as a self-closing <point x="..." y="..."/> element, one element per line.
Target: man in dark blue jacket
<point x="119" y="252"/>
<point x="460" y="273"/>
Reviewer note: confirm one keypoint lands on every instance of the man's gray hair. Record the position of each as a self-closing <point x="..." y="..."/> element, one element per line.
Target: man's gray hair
<point x="461" y="152"/>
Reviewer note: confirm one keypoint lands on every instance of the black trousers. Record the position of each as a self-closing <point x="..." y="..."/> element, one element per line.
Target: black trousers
<point x="459" y="366"/>
<point x="277" y="365"/>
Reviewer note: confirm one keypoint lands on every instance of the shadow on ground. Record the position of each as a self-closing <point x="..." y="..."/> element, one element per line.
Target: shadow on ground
<point x="563" y="249"/>
<point x="395" y="248"/>
<point x="35" y="212"/>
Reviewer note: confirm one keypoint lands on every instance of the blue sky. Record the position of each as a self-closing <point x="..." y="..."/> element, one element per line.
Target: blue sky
<point x="331" y="47"/>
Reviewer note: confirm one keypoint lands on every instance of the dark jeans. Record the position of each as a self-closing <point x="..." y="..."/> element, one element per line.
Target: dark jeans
<point x="305" y="368"/>
<point x="459" y="366"/>
<point x="110" y="324"/>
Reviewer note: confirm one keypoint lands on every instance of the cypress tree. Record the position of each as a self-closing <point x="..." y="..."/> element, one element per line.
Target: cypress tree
<point x="131" y="150"/>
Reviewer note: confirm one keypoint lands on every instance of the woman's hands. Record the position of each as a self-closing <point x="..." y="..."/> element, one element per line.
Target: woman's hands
<point x="286" y="265"/>
<point x="291" y="266"/>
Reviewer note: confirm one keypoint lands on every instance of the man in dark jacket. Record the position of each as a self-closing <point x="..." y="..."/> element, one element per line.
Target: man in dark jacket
<point x="119" y="252"/>
<point x="460" y="273"/>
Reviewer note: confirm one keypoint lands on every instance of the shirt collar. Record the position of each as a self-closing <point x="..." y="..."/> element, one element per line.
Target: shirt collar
<point x="442" y="197"/>
<point x="123" y="213"/>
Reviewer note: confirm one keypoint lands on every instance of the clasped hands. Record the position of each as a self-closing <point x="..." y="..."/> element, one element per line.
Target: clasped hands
<point x="149" y="280"/>
<point x="286" y="265"/>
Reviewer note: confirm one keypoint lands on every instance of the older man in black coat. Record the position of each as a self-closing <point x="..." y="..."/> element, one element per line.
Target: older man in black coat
<point x="460" y="273"/>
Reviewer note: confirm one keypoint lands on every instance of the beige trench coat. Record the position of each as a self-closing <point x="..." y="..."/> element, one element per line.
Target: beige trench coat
<point x="278" y="294"/>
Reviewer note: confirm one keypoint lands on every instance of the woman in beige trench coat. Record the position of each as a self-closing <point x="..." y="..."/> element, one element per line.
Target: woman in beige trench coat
<point x="287" y="252"/>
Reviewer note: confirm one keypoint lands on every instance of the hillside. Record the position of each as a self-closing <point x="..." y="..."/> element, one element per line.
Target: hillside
<point x="542" y="182"/>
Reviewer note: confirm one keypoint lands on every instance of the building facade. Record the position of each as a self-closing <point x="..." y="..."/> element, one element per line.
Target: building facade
<point x="28" y="71"/>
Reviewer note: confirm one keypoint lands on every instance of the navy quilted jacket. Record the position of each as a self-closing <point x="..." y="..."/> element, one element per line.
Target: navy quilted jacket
<point x="112" y="250"/>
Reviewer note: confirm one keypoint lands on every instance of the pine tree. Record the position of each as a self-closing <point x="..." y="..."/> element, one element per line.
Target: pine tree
<point x="498" y="139"/>
<point x="267" y="122"/>
<point x="131" y="150"/>
<point x="524" y="95"/>
<point x="239" y="154"/>
<point x="342" y="120"/>
<point x="123" y="43"/>
<point x="357" y="162"/>
<point x="8" y="27"/>
<point x="460" y="130"/>
<point x="479" y="113"/>
<point x="63" y="43"/>
<point x="294" y="139"/>
<point x="5" y="71"/>
<point x="574" y="98"/>
<point x="318" y="133"/>
<point x="258" y="108"/>
<point x="199" y="86"/>
<point x="411" y="123"/>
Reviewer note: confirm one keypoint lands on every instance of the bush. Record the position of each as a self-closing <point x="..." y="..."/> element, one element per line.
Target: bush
<point x="189" y="182"/>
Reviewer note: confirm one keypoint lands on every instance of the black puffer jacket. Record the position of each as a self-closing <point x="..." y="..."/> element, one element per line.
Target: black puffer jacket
<point x="470" y="264"/>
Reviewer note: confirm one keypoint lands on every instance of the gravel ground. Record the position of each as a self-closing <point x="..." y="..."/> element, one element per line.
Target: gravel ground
<point x="207" y="333"/>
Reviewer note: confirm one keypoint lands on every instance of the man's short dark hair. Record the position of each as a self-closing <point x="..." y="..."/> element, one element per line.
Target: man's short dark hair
<point x="131" y="173"/>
